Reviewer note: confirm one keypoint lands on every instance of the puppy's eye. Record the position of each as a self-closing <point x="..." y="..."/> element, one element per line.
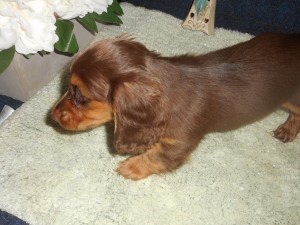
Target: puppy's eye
<point x="78" y="98"/>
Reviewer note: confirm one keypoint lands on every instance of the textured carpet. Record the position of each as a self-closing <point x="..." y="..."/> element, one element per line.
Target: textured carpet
<point x="49" y="176"/>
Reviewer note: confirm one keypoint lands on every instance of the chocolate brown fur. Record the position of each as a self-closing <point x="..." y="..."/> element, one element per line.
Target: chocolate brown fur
<point x="163" y="106"/>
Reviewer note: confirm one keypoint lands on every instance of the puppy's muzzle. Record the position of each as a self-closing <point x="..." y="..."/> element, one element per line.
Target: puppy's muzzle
<point x="59" y="113"/>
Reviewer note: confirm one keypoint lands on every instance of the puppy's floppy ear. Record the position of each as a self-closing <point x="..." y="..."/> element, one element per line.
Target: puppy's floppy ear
<point x="139" y="115"/>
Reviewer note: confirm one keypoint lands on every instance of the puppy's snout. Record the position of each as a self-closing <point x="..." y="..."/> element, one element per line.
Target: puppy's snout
<point x="58" y="111"/>
<point x="56" y="114"/>
<point x="60" y="115"/>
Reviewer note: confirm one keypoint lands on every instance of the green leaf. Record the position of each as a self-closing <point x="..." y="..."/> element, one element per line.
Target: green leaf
<point x="116" y="8"/>
<point x="67" y="42"/>
<point x="27" y="56"/>
<point x="111" y="15"/>
<point x="88" y="21"/>
<point x="6" y="56"/>
<point x="107" y="17"/>
<point x="42" y="53"/>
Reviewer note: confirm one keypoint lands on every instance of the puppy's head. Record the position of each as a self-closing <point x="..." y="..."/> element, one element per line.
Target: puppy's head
<point x="111" y="81"/>
<point x="80" y="109"/>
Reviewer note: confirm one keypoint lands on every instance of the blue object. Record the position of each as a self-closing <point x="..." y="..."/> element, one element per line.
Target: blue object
<point x="13" y="103"/>
<point x="8" y="219"/>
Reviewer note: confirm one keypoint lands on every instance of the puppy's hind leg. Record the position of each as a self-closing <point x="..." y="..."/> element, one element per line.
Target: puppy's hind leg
<point x="288" y="131"/>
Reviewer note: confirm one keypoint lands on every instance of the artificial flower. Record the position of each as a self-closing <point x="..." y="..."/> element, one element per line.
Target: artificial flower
<point x="31" y="26"/>
<point x="78" y="8"/>
<point x="33" y="23"/>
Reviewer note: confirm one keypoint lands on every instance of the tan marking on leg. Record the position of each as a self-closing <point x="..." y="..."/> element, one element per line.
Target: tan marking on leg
<point x="142" y="166"/>
<point x="292" y="108"/>
<point x="170" y="141"/>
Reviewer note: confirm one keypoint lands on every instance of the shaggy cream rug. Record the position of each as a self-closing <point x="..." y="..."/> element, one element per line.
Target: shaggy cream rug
<point x="48" y="176"/>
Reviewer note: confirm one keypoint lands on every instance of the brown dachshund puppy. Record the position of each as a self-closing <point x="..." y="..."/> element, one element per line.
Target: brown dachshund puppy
<point x="163" y="106"/>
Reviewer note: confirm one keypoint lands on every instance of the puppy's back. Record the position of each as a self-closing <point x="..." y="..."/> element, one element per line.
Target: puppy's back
<point x="258" y="77"/>
<point x="242" y="83"/>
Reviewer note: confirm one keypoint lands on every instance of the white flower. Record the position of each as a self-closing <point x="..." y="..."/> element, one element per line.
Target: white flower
<point x="30" y="24"/>
<point x="69" y="9"/>
<point x="8" y="29"/>
<point x="33" y="22"/>
<point x="8" y="33"/>
<point x="98" y="6"/>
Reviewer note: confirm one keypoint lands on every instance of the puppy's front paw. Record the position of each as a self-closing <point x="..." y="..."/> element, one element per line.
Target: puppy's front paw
<point x="134" y="168"/>
<point x="142" y="166"/>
